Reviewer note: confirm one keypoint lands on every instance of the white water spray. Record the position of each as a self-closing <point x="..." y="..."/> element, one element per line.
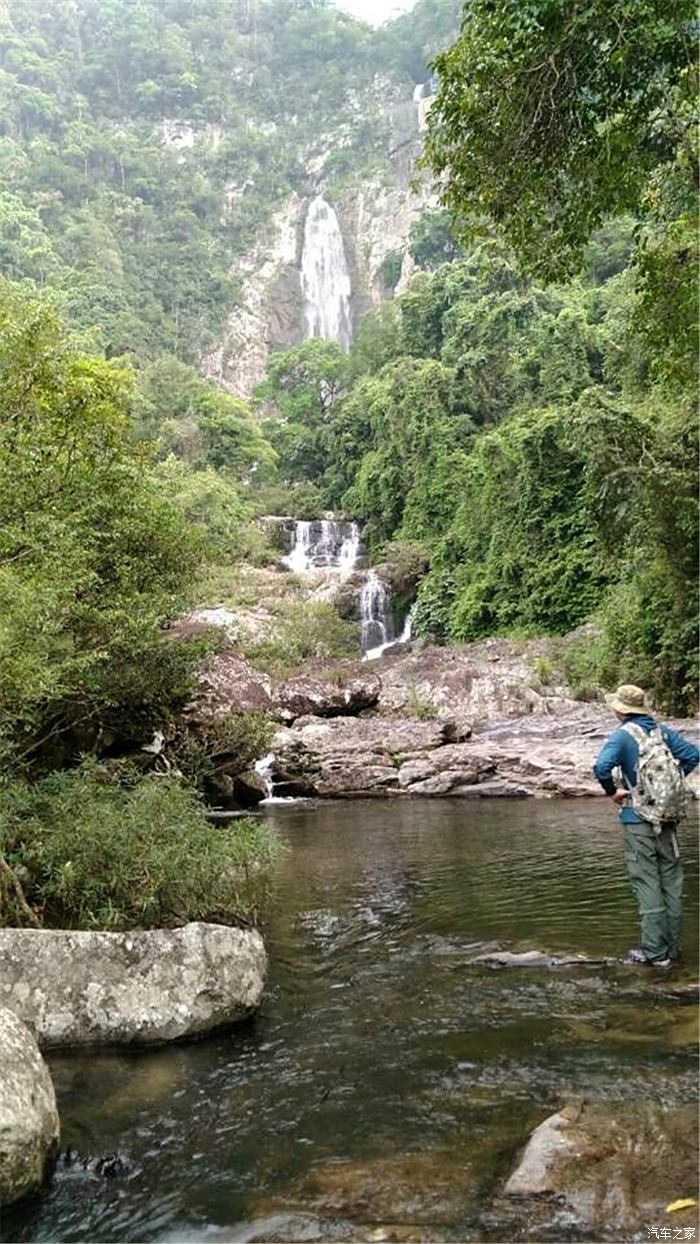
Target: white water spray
<point x="324" y="544"/>
<point x="325" y="280"/>
<point x="375" y="616"/>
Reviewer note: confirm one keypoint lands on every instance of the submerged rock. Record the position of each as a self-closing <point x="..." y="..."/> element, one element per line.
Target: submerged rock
<point x="535" y="959"/>
<point x="613" y="1166"/>
<point x="29" y="1126"/>
<point x="106" y="1166"/>
<point x="82" y="988"/>
<point x="535" y="1174"/>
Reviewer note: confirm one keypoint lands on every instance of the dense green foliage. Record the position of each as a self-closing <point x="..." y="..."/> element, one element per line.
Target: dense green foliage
<point x="552" y="116"/>
<point x="92" y="556"/>
<point x="99" y="548"/>
<point x="82" y="850"/>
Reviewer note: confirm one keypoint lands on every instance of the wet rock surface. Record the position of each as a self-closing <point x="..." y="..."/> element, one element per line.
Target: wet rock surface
<point x="612" y="1167"/>
<point x="29" y="1126"/>
<point x="534" y="959"/>
<point x="82" y="988"/>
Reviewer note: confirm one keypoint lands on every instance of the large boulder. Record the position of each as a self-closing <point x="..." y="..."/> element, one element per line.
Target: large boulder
<point x="227" y="684"/>
<point x="29" y="1126"/>
<point x="344" y="756"/>
<point x="83" y="988"/>
<point x="321" y="696"/>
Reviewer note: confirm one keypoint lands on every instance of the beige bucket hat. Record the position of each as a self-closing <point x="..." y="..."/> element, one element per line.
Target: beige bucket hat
<point x="627" y="699"/>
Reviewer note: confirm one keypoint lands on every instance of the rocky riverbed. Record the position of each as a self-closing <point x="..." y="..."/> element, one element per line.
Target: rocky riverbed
<point x="483" y="720"/>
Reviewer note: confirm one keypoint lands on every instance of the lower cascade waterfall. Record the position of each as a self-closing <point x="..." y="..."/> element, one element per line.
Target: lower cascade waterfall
<point x="325" y="280"/>
<point x="375" y="616"/>
<point x="324" y="544"/>
<point x="263" y="768"/>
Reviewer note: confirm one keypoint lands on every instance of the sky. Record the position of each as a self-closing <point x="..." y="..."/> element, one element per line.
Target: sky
<point x="375" y="11"/>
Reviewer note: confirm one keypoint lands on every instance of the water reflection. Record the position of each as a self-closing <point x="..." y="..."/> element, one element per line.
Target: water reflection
<point x="388" y="1078"/>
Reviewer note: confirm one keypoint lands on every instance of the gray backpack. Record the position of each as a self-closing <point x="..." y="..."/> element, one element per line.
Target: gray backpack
<point x="660" y="794"/>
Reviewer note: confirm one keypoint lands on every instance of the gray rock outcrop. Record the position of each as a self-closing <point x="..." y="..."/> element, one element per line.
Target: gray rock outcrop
<point x="309" y="694"/>
<point x="29" y="1126"/>
<point x="228" y="684"/>
<point x="380" y="755"/>
<point x="82" y="988"/>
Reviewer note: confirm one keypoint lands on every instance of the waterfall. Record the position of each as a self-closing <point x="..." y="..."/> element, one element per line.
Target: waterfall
<point x="349" y="552"/>
<point x="418" y="93"/>
<point x="407" y="629"/>
<point x="263" y="768"/>
<point x="298" y="559"/>
<point x="325" y="280"/>
<point x="324" y="544"/>
<point x="376" y="618"/>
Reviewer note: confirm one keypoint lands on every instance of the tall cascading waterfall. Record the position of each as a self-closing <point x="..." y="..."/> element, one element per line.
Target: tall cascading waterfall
<point x="325" y="280"/>
<point x="324" y="544"/>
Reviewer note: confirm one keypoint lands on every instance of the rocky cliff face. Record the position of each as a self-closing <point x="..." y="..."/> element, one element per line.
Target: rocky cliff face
<point x="270" y="312"/>
<point x="375" y="220"/>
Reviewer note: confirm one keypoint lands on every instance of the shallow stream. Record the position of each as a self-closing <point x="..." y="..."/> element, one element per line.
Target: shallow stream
<point x="388" y="1081"/>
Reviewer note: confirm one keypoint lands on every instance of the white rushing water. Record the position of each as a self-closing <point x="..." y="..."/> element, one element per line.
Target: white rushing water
<point x="376" y="627"/>
<point x="375" y="617"/>
<point x="324" y="544"/>
<point x="325" y="280"/>
<point x="263" y="768"/>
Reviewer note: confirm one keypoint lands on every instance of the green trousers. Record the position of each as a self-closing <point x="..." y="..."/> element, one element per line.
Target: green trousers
<point x="657" y="881"/>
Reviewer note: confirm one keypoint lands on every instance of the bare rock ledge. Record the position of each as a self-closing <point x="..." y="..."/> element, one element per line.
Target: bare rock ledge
<point x="29" y="1125"/>
<point x="88" y="988"/>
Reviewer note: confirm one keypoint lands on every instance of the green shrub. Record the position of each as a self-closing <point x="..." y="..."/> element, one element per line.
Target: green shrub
<point x="543" y="669"/>
<point x="234" y="743"/>
<point x="418" y="707"/>
<point x="89" y="852"/>
<point x="310" y="631"/>
<point x="389" y="270"/>
<point x="301" y="500"/>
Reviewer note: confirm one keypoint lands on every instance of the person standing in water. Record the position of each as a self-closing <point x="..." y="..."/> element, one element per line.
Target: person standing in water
<point x="653" y="760"/>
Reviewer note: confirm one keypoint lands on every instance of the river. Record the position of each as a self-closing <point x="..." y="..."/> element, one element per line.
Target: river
<point x="387" y="1078"/>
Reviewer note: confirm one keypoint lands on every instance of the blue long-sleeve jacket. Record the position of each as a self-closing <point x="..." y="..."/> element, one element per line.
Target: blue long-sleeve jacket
<point x="621" y="749"/>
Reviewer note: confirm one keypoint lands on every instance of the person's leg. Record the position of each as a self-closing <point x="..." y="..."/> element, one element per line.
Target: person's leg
<point x="671" y="878"/>
<point x="643" y="868"/>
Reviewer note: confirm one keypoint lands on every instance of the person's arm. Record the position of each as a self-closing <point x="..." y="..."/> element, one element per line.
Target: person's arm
<point x="685" y="752"/>
<point x="609" y="757"/>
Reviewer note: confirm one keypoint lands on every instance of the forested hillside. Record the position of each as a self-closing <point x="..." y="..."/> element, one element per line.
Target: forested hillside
<point x="146" y="143"/>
